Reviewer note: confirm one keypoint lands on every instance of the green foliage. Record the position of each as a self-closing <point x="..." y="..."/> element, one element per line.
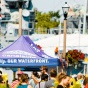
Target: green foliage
<point x="54" y="14"/>
<point x="44" y="20"/>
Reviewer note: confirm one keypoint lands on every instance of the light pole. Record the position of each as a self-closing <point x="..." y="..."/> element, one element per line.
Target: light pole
<point x="20" y="22"/>
<point x="0" y="18"/>
<point x="65" y="9"/>
<point x="0" y="26"/>
<point x="79" y="28"/>
<point x="35" y="23"/>
<point x="0" y="23"/>
<point x="20" y="16"/>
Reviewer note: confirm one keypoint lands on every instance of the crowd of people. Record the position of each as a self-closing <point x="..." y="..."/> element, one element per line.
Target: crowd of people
<point x="46" y="79"/>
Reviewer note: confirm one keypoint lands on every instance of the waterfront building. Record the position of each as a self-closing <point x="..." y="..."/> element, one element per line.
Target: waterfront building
<point x="85" y="27"/>
<point x="9" y="20"/>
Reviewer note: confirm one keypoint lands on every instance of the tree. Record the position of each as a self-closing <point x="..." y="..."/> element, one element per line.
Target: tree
<point x="44" y="20"/>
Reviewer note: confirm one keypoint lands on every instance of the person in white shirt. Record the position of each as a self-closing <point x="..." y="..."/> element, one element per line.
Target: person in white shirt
<point x="31" y="81"/>
<point x="41" y="84"/>
<point x="44" y="70"/>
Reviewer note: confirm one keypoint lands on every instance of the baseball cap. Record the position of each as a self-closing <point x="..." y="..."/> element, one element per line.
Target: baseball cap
<point x="19" y="73"/>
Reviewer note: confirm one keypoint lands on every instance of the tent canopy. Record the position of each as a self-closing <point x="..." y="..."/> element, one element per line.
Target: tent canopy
<point x="23" y="52"/>
<point x="73" y="41"/>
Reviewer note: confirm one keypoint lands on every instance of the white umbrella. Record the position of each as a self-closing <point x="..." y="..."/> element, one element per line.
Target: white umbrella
<point x="73" y="41"/>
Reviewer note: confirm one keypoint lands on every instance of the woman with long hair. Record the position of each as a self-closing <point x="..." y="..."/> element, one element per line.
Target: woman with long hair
<point x="24" y="82"/>
<point x="63" y="80"/>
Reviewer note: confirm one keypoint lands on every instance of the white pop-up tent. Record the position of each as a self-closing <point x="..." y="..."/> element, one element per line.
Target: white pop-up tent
<point x="73" y="41"/>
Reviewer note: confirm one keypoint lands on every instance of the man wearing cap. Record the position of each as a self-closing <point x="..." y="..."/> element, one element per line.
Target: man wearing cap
<point x="16" y="81"/>
<point x="44" y="70"/>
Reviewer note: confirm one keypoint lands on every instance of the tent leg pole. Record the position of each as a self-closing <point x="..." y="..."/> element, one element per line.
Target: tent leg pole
<point x="57" y="69"/>
<point x="14" y="75"/>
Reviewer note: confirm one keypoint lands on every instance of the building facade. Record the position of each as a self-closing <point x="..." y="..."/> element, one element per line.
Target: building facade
<point x="85" y="24"/>
<point x="9" y="18"/>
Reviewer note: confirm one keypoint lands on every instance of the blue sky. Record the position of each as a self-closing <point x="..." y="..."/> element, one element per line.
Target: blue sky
<point x="54" y="5"/>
